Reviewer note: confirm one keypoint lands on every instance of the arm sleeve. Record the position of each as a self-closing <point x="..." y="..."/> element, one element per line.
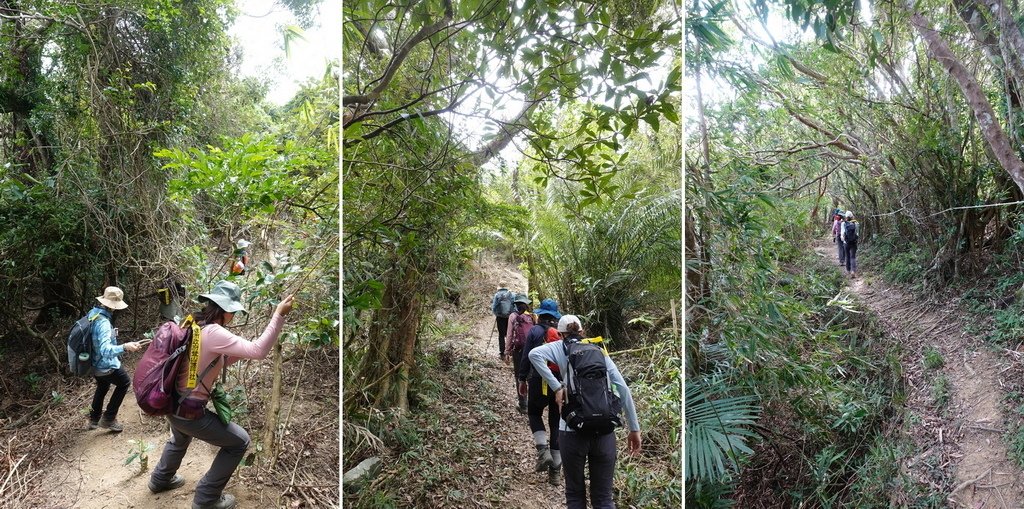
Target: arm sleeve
<point x="624" y="395"/>
<point x="102" y="336"/>
<point x="494" y="305"/>
<point x="842" y="232"/>
<point x="539" y="358"/>
<point x="239" y="347"/>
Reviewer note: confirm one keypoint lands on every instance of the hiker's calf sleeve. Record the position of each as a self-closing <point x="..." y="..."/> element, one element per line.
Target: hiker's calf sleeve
<point x="540" y="438"/>
<point x="577" y="452"/>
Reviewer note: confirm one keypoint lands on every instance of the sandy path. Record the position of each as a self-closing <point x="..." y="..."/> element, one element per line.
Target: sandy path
<point x="969" y="433"/>
<point x="92" y="475"/>
<point x="533" y="492"/>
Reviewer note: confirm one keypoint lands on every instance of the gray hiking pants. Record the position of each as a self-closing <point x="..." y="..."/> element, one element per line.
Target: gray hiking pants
<point x="231" y="438"/>
<point x="841" y="246"/>
<point x="577" y="452"/>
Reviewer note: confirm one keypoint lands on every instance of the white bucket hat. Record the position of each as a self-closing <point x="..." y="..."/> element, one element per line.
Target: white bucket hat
<point x="565" y="320"/>
<point x="849" y="214"/>
<point x="113" y="298"/>
<point x="242" y="244"/>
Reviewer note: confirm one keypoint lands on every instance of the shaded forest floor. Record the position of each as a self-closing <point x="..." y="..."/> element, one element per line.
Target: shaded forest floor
<point x="955" y="383"/>
<point x="51" y="460"/>
<point x="464" y="444"/>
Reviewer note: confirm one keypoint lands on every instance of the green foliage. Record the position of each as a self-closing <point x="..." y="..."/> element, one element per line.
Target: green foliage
<point x="1007" y="325"/>
<point x="717" y="429"/>
<point x="139" y="450"/>
<point x="940" y="391"/>
<point x="932" y="358"/>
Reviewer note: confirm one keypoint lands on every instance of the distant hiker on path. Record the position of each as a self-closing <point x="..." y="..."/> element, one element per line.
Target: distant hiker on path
<point x="169" y="295"/>
<point x="218" y="348"/>
<point x="592" y="403"/>
<point x="850" y="234"/>
<point x="502" y="305"/>
<point x="240" y="265"/>
<point x="837" y="224"/>
<point x="519" y="324"/>
<point x="540" y="394"/>
<point x="106" y="363"/>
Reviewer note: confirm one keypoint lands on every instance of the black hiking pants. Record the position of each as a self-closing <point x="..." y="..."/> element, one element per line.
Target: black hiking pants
<point x="119" y="378"/>
<point x="851" y="257"/>
<point x="517" y="357"/>
<point x="502" y="329"/>
<point x="535" y="409"/>
<point x="577" y="452"/>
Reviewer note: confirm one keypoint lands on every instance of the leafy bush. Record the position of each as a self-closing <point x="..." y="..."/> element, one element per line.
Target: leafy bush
<point x="933" y="359"/>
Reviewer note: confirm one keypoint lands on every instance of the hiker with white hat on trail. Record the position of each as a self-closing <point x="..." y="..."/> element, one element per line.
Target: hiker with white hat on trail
<point x="106" y="363"/>
<point x="218" y="349"/>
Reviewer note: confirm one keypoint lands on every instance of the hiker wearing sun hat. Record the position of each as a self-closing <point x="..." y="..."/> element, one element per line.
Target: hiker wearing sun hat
<point x="218" y="349"/>
<point x="538" y="394"/>
<point x="519" y="324"/>
<point x="107" y="364"/>
<point x="241" y="257"/>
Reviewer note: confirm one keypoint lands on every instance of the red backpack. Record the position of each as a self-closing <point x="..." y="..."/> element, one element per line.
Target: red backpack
<point x="551" y="336"/>
<point x="520" y="329"/>
<point x="156" y="374"/>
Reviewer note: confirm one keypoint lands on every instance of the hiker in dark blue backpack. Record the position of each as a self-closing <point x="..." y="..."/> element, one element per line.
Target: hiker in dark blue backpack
<point x="540" y="395"/>
<point x="106" y="363"/>
<point x="502" y="305"/>
<point x="850" y="235"/>
<point x="579" y="446"/>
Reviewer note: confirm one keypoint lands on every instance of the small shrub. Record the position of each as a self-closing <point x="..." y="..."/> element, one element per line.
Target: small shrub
<point x="933" y="359"/>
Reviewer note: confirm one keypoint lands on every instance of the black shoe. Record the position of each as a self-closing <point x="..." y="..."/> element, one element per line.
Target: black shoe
<point x="227" y="501"/>
<point x="176" y="482"/>
<point x="93" y="424"/>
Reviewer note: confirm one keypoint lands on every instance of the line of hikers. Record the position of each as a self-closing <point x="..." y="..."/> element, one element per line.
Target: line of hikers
<point x="845" y="233"/>
<point x="559" y="369"/>
<point x="215" y="348"/>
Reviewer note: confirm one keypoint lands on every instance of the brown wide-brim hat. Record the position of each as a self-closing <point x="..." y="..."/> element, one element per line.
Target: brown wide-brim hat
<point x="113" y="298"/>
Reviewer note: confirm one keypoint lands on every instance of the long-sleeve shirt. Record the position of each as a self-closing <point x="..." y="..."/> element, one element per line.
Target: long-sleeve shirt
<point x="554" y="352"/>
<point x="217" y="341"/>
<point x="105" y="349"/>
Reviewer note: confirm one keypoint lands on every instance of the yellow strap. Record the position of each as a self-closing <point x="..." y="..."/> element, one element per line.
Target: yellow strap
<point x="595" y="340"/>
<point x="165" y="295"/>
<point x="543" y="387"/>
<point x="193" y="353"/>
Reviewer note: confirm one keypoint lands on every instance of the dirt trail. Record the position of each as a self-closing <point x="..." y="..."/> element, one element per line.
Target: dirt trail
<point x="92" y="474"/>
<point x="533" y="492"/>
<point x="968" y="435"/>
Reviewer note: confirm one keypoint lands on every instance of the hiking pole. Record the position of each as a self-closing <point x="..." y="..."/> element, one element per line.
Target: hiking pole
<point x="493" y="330"/>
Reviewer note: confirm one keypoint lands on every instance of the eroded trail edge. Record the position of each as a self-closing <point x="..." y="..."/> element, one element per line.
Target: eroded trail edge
<point x="964" y="436"/>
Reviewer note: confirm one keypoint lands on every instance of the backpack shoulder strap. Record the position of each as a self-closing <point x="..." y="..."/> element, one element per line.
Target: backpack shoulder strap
<point x="202" y="375"/>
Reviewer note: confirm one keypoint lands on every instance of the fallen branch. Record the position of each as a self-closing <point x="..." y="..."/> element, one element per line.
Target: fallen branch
<point x="968" y="483"/>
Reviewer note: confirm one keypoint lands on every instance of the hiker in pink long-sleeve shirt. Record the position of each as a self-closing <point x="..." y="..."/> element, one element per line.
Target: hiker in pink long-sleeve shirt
<point x="219" y="348"/>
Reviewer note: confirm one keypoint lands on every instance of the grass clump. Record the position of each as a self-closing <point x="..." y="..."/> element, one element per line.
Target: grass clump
<point x="933" y="359"/>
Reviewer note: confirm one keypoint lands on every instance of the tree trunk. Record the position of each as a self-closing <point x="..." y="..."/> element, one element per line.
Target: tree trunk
<point x="991" y="131"/>
<point x="273" y="411"/>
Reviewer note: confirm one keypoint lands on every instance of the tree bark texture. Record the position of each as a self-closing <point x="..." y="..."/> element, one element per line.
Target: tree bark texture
<point x="991" y="131"/>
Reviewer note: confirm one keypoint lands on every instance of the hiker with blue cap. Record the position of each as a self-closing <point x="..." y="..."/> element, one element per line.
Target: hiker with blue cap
<point x="218" y="348"/>
<point x="539" y="395"/>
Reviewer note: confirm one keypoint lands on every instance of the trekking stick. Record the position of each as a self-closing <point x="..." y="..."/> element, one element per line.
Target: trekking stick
<point x="493" y="330"/>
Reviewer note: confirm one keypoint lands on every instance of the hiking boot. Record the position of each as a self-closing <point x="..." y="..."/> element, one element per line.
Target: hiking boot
<point x="93" y="424"/>
<point x="110" y="424"/>
<point x="554" y="475"/>
<point x="227" y="501"/>
<point x="544" y="460"/>
<point x="176" y="482"/>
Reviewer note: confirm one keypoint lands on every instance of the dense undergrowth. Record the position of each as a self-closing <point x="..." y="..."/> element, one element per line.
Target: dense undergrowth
<point x="809" y="398"/>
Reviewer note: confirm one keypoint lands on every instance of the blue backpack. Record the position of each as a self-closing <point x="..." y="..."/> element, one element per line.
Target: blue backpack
<point x="80" y="349"/>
